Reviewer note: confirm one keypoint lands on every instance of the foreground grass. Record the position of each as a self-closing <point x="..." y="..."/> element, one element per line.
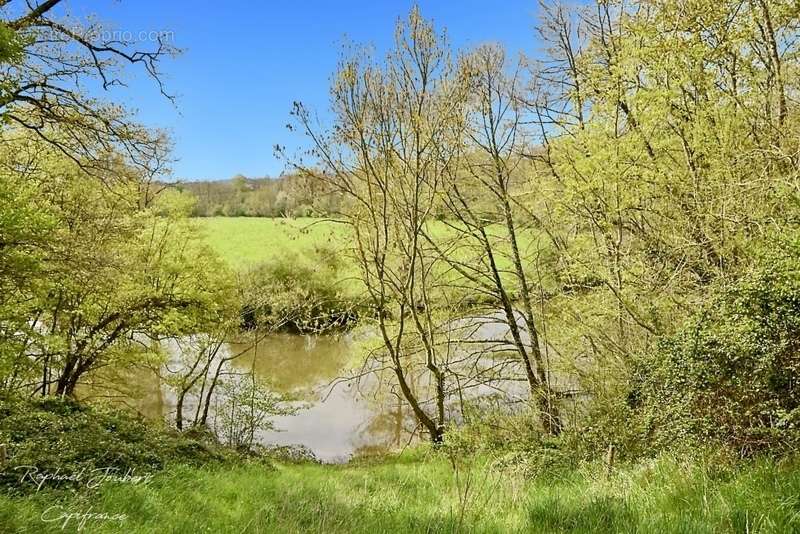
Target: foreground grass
<point x="424" y="495"/>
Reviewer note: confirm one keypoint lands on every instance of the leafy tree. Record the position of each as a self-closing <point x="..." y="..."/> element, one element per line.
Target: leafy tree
<point x="300" y="294"/>
<point x="669" y="148"/>
<point x="46" y="64"/>
<point x="480" y="197"/>
<point x="111" y="275"/>
<point x="388" y="153"/>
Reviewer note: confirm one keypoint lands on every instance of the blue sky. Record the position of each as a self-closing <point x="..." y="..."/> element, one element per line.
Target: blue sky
<point x="245" y="62"/>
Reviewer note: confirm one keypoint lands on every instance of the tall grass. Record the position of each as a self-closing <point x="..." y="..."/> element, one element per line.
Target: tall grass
<point x="427" y="495"/>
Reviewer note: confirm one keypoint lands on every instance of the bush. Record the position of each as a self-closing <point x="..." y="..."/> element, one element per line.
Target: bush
<point x="296" y="294"/>
<point x="516" y="443"/>
<point x="61" y="436"/>
<point x="732" y="374"/>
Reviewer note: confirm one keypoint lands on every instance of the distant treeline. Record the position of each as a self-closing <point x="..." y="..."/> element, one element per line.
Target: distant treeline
<point x="292" y="196"/>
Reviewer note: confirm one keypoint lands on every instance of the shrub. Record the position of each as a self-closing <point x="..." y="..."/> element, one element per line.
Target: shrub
<point x="731" y="375"/>
<point x="62" y="436"/>
<point x="516" y="443"/>
<point x="297" y="294"/>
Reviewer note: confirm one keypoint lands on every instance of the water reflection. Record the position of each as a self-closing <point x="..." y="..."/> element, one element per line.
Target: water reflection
<point x="340" y="418"/>
<point x="335" y="420"/>
<point x="292" y="363"/>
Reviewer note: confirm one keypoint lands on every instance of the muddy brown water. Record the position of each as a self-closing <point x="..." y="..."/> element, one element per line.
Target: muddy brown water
<point x="335" y="418"/>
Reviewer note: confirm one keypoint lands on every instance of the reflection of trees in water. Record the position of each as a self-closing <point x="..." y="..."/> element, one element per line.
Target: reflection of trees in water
<point x="481" y="371"/>
<point x="135" y="388"/>
<point x="308" y="367"/>
<point x="291" y="363"/>
<point x="484" y="375"/>
<point x="391" y="427"/>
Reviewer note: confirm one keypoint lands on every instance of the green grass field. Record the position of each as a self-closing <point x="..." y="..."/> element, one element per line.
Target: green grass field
<point x="244" y="242"/>
<point x="415" y="494"/>
<point x="247" y="241"/>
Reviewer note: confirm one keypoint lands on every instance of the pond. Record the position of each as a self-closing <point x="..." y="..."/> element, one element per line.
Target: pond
<point x="335" y="418"/>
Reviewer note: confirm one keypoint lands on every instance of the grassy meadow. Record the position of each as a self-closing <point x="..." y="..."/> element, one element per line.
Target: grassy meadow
<point x="414" y="493"/>
<point x="247" y="241"/>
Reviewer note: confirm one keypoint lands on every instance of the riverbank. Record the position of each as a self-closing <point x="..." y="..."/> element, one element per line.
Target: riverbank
<point x="420" y="492"/>
<point x="81" y="469"/>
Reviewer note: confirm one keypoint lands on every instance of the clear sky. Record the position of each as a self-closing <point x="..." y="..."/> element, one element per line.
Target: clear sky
<point x="245" y="62"/>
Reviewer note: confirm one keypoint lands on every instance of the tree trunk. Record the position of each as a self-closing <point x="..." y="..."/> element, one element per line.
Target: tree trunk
<point x="179" y="411"/>
<point x="551" y="419"/>
<point x="63" y="387"/>
<point x="435" y="430"/>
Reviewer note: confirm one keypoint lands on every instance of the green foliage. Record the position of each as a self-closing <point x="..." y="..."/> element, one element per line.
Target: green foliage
<point x="24" y="231"/>
<point x="300" y="294"/>
<point x="286" y="196"/>
<point x="731" y="374"/>
<point x="245" y="409"/>
<point x="11" y="49"/>
<point x="670" y="158"/>
<point x="61" y="436"/>
<point x="86" y="267"/>
<point x="11" y="45"/>
<point x="516" y="442"/>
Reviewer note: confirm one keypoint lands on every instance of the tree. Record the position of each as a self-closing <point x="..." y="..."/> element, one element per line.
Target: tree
<point x="388" y="154"/>
<point x="111" y="276"/>
<point x="667" y="151"/>
<point x="481" y="196"/>
<point x="46" y="62"/>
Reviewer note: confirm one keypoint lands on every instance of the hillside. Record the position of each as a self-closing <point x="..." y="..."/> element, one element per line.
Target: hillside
<point x="259" y="197"/>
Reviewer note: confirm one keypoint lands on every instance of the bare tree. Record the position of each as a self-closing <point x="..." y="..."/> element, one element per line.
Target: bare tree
<point x="490" y="225"/>
<point x="389" y="152"/>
